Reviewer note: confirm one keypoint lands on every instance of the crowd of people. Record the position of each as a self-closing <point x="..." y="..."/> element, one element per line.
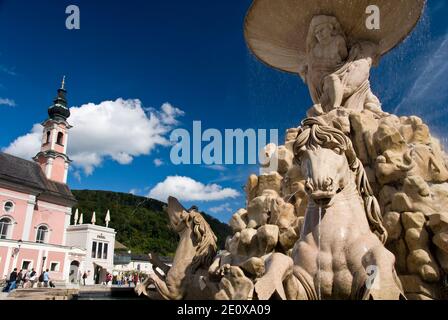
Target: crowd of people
<point x="27" y="279"/>
<point x="126" y="279"/>
<point x="120" y="279"/>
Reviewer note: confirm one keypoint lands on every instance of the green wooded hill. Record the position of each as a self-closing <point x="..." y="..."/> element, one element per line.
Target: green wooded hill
<point x="140" y="223"/>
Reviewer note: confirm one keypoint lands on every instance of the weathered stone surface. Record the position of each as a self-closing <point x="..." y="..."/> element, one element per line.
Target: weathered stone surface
<point x="234" y="285"/>
<point x="267" y="237"/>
<point x="416" y="259"/>
<point x="288" y="238"/>
<point x="385" y="197"/>
<point x="400" y="251"/>
<point x="254" y="266"/>
<point x="416" y="196"/>
<point x="442" y="259"/>
<point x="254" y="242"/>
<point x="439" y="193"/>
<point x="237" y="222"/>
<point x="421" y="134"/>
<point x="259" y="209"/>
<point x="277" y="268"/>
<point x="364" y="126"/>
<point x="416" y="238"/>
<point x="439" y="226"/>
<point x="282" y="213"/>
<point x="251" y="187"/>
<point x="438" y="222"/>
<point x="270" y="181"/>
<point x="285" y="158"/>
<point x="413" y="220"/>
<point x="245" y="242"/>
<point x="413" y="284"/>
<point x="392" y="224"/>
<point x="388" y="138"/>
<point x="420" y="260"/>
<point x="441" y="241"/>
<point x="293" y="190"/>
<point x="232" y="243"/>
<point x="429" y="163"/>
<point x="430" y="272"/>
<point x="268" y="153"/>
<point x="290" y="138"/>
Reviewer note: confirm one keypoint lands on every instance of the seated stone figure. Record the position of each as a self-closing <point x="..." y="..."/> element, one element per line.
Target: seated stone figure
<point x="338" y="75"/>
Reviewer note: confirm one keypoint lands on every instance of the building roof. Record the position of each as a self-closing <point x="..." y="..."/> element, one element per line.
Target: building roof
<point x="90" y="227"/>
<point x="18" y="172"/>
<point x="120" y="246"/>
<point x="145" y="257"/>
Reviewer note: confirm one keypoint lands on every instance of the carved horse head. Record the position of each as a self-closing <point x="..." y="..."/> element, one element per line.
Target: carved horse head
<point x="328" y="162"/>
<point x="199" y="231"/>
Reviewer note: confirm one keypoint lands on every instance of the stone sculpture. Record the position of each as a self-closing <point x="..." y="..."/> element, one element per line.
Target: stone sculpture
<point x="189" y="276"/>
<point x="337" y="77"/>
<point x="357" y="208"/>
<point x="336" y="232"/>
<point x="196" y="250"/>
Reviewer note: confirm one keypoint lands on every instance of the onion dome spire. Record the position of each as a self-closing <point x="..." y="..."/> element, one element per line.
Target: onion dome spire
<point x="59" y="109"/>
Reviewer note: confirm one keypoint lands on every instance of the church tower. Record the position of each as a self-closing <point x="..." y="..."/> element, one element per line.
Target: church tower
<point x="53" y="157"/>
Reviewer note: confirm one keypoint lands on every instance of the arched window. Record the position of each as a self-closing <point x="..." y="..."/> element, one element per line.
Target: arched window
<point x="5" y="227"/>
<point x="48" y="137"/>
<point x="42" y="234"/>
<point x="60" y="138"/>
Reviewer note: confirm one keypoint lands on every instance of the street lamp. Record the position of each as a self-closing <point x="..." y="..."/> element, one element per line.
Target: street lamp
<point x="43" y="262"/>
<point x="16" y="250"/>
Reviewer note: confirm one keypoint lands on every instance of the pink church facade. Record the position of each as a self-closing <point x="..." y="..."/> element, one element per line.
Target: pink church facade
<point x="36" y="204"/>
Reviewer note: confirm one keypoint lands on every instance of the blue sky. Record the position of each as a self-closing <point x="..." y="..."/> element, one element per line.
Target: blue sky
<point x="191" y="55"/>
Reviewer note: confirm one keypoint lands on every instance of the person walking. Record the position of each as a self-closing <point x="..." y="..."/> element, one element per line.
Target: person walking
<point x="13" y="280"/>
<point x="26" y="279"/>
<point x="19" y="278"/>
<point x="84" y="277"/>
<point x="33" y="278"/>
<point x="41" y="280"/>
<point x="108" y="279"/>
<point x="46" y="278"/>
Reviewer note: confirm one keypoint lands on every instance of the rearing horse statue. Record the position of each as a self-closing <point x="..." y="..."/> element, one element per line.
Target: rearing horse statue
<point x="340" y="253"/>
<point x="187" y="278"/>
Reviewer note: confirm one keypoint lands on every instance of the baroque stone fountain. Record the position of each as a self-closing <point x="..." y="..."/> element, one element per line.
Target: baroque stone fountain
<point x="357" y="205"/>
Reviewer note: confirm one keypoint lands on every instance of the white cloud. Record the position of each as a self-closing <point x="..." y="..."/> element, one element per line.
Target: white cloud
<point x="26" y="146"/>
<point x="188" y="189"/>
<point x="134" y="191"/>
<point x="225" y="207"/>
<point x="158" y="162"/>
<point x="77" y="175"/>
<point x="7" y="102"/>
<point x="170" y="114"/>
<point x="120" y="130"/>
